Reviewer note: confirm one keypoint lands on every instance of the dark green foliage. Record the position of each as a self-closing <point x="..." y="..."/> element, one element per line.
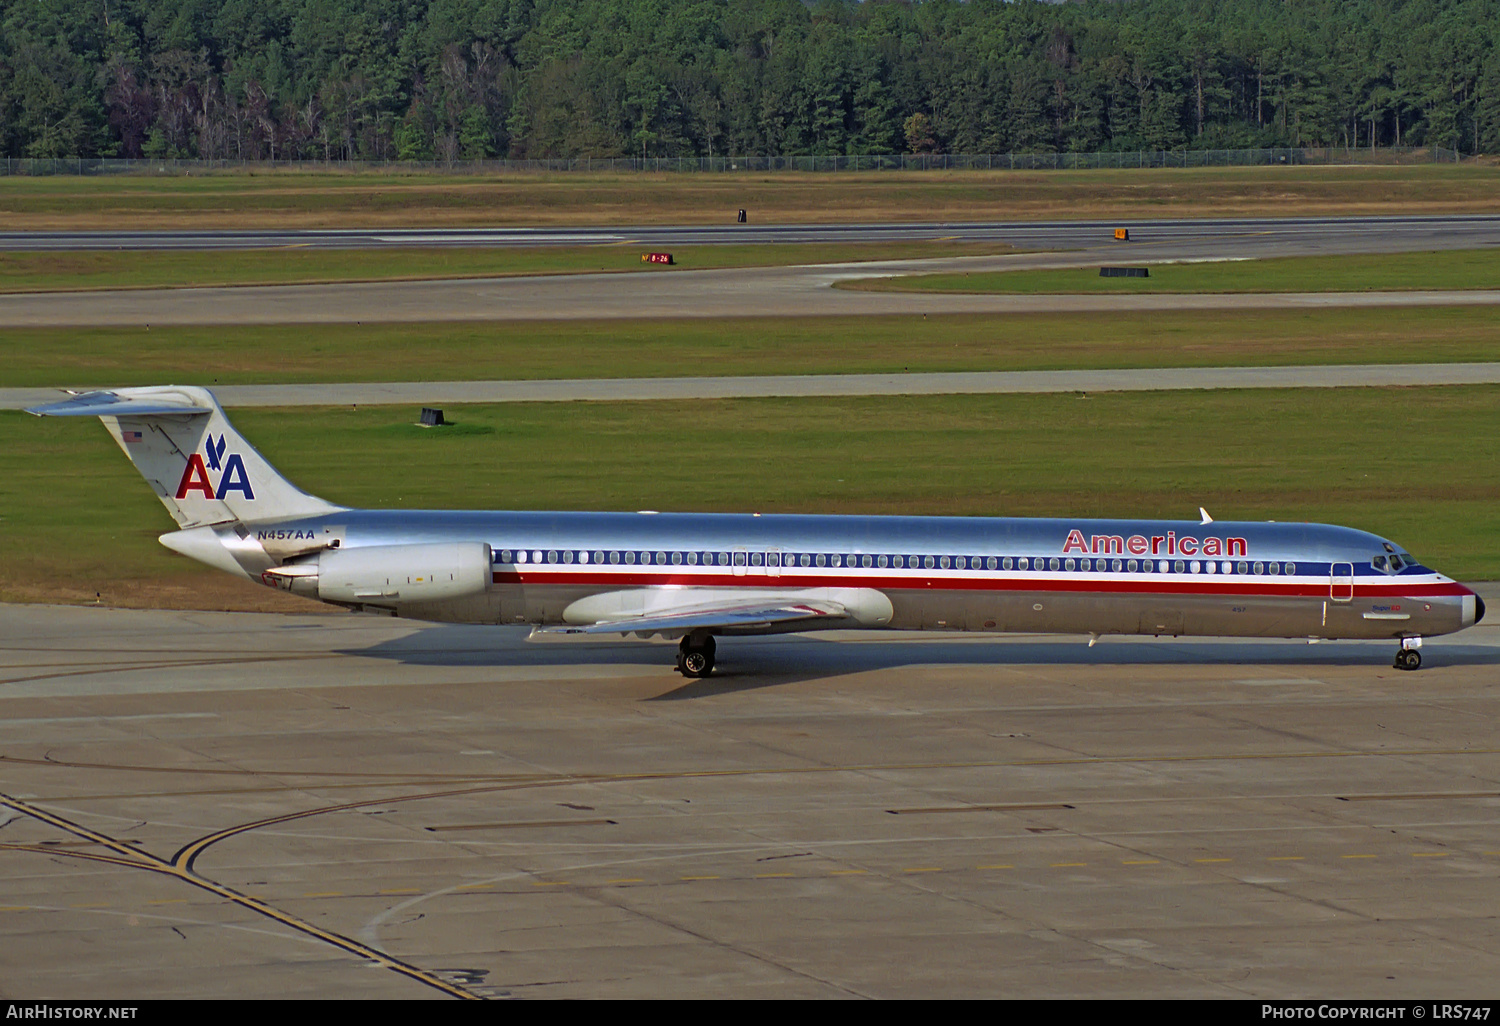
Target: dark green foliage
<point x="468" y="79"/>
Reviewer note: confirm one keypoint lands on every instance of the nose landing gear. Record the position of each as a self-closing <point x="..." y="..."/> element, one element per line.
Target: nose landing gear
<point x="695" y="655"/>
<point x="1408" y="657"/>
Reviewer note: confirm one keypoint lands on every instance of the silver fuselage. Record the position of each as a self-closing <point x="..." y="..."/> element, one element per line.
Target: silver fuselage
<point x="939" y="573"/>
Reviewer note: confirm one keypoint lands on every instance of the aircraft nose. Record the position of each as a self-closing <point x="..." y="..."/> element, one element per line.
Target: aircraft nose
<point x="1478" y="609"/>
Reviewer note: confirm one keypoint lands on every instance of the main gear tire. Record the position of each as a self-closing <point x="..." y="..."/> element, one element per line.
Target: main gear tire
<point x="695" y="656"/>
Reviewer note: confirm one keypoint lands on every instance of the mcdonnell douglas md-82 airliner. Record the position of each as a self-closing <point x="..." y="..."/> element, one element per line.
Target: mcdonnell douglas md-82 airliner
<point x="695" y="576"/>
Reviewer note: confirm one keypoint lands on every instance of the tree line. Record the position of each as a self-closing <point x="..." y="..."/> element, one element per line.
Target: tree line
<point x="470" y="79"/>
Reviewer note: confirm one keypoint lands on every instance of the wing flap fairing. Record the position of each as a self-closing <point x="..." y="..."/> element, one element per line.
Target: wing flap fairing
<point x="680" y="611"/>
<point x="747" y="619"/>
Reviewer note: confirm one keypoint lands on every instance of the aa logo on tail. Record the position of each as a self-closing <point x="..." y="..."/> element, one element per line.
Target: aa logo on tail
<point x="231" y="471"/>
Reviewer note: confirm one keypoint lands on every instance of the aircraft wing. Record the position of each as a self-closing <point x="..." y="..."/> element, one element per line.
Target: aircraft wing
<point x="741" y="618"/>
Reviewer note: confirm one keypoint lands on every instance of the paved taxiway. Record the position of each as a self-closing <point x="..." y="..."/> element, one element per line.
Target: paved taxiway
<point x="791" y="291"/>
<point x="221" y="805"/>
<point x="813" y="385"/>
<point x="754" y="292"/>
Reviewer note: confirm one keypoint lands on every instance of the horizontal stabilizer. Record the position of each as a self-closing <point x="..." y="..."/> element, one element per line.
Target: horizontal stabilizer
<point x="159" y="402"/>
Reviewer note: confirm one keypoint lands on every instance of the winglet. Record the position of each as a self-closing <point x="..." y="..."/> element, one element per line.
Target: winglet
<point x="1204" y="514"/>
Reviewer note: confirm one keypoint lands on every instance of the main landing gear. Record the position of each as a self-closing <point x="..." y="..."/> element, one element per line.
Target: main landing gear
<point x="1408" y="658"/>
<point x="695" y="655"/>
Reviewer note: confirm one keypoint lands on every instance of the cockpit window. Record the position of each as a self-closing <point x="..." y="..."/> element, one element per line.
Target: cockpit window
<point x="1394" y="563"/>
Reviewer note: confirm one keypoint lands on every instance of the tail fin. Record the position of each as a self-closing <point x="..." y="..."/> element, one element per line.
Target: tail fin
<point x="201" y="468"/>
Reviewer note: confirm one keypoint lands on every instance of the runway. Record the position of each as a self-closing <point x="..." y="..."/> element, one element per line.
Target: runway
<point x="349" y="807"/>
<point x="1406" y="233"/>
<point x="816" y="385"/>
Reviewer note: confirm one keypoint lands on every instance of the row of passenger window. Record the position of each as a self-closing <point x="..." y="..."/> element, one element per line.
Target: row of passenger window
<point x="824" y="559"/>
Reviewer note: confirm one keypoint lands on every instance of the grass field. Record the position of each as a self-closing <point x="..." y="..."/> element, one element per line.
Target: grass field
<point x="335" y="199"/>
<point x="1419" y="465"/>
<point x="110" y="269"/>
<point x="98" y="357"/>
<point x="1447" y="269"/>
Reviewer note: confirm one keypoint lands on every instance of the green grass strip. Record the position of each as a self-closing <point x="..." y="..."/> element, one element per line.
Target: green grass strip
<point x="222" y="355"/>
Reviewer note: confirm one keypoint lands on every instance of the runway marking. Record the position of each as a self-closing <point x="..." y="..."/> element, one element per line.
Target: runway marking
<point x="137" y="859"/>
<point x="700" y="878"/>
<point x="1359" y="856"/>
<point x="47" y="849"/>
<point x="1068" y="865"/>
<point x="928" y="869"/>
<point x="1430" y="854"/>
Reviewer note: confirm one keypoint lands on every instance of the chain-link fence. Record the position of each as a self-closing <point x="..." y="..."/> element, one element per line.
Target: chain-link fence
<point x="815" y="164"/>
